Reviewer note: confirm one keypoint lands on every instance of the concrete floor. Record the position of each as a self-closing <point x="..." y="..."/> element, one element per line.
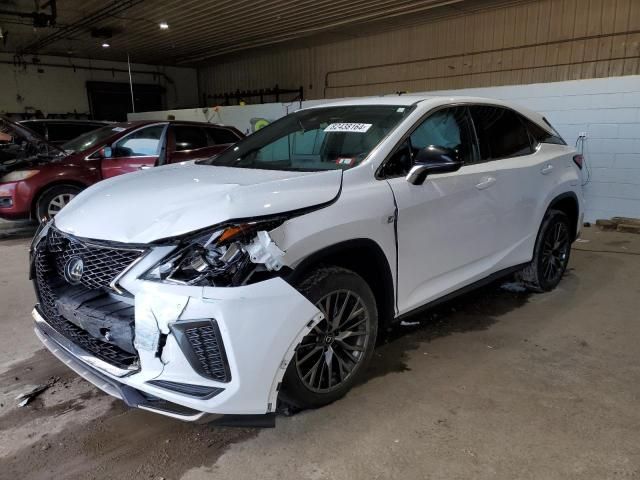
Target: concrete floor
<point x="496" y="385"/>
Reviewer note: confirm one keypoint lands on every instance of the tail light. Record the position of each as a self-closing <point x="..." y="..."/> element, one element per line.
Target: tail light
<point x="578" y="160"/>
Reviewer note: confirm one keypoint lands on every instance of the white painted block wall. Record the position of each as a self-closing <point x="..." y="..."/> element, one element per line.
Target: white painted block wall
<point x="608" y="110"/>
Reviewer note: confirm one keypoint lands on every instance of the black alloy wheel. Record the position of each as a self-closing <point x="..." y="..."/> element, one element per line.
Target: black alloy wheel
<point x="333" y="355"/>
<point x="555" y="252"/>
<point x="551" y="253"/>
<point x="333" y="349"/>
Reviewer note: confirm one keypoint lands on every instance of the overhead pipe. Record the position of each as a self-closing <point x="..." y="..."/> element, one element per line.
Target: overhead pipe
<point x="90" y="68"/>
<point x="116" y="7"/>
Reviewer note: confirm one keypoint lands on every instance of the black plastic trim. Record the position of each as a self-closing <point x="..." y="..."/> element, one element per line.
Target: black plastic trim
<point x="362" y="245"/>
<point x="200" y="392"/>
<point x="573" y="197"/>
<point x="264" y="420"/>
<point x="466" y="289"/>
<point x="179" y="331"/>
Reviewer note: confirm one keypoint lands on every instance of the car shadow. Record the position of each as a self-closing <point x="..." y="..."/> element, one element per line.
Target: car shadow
<point x="473" y="311"/>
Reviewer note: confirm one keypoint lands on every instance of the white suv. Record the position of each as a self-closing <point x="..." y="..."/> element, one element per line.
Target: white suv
<point x="266" y="274"/>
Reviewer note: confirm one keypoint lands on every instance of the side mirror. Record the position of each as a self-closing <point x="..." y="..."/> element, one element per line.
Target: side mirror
<point x="433" y="159"/>
<point x="105" y="152"/>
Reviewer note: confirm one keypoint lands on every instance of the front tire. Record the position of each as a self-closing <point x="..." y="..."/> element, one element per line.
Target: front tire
<point x="53" y="200"/>
<point x="550" y="255"/>
<point x="331" y="358"/>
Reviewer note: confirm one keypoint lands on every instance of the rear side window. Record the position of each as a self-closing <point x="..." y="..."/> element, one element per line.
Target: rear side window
<point x="189" y="138"/>
<point x="500" y="132"/>
<point x="219" y="136"/>
<point x="540" y="135"/>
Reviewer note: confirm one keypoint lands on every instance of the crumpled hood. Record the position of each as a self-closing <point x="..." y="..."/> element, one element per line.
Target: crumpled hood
<point x="26" y="148"/>
<point x="163" y="202"/>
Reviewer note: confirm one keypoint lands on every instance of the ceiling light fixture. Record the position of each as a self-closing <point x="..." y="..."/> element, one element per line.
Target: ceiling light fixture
<point x="164" y="26"/>
<point x="106" y="45"/>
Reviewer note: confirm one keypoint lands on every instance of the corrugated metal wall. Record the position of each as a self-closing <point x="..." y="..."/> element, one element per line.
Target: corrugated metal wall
<point x="531" y="42"/>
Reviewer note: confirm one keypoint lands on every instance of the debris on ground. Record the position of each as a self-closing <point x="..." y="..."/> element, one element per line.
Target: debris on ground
<point x="409" y="324"/>
<point x="26" y="397"/>
<point x="513" y="287"/>
<point x="29" y="395"/>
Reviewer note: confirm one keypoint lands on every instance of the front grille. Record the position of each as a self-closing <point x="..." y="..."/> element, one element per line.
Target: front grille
<point x="202" y="344"/>
<point x="102" y="264"/>
<point x="50" y="285"/>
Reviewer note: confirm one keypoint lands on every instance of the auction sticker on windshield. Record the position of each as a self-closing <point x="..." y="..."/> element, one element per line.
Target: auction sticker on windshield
<point x="348" y="127"/>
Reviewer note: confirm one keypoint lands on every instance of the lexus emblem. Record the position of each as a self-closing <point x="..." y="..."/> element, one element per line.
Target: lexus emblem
<point x="73" y="270"/>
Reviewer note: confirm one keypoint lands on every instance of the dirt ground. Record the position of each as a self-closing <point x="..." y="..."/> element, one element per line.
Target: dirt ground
<point x="498" y="384"/>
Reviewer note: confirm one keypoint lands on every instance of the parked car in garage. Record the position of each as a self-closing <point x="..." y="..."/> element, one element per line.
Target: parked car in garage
<point x="37" y="178"/>
<point x="265" y="274"/>
<point x="60" y="131"/>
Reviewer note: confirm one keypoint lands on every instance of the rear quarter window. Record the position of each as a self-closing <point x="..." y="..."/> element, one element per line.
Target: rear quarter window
<point x="219" y="136"/>
<point x="188" y="137"/>
<point x="501" y="133"/>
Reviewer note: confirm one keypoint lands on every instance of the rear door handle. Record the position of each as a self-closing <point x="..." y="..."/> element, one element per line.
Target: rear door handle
<point x="546" y="170"/>
<point x="486" y="183"/>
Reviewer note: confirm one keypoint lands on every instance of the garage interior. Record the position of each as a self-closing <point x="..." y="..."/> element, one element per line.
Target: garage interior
<point x="498" y="383"/>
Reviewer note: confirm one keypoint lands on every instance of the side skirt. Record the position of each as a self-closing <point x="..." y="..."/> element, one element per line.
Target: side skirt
<point x="466" y="289"/>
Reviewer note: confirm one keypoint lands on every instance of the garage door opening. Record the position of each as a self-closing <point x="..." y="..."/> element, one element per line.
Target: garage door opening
<point x="112" y="100"/>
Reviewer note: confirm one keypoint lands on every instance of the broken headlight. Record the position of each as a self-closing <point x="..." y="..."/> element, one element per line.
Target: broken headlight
<point x="228" y="256"/>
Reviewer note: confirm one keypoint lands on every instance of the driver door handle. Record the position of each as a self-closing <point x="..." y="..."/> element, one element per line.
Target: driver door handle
<point x="486" y="183"/>
<point x="546" y="170"/>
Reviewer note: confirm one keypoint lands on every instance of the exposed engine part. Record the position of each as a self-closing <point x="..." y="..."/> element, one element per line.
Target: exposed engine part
<point x="263" y="250"/>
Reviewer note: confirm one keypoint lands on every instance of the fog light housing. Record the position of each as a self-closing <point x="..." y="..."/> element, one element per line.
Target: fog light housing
<point x="201" y="343"/>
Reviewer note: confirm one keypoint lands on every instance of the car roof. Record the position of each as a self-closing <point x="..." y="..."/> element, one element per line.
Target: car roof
<point x="65" y="120"/>
<point x="399" y="100"/>
<point x="142" y="123"/>
<point x="429" y="101"/>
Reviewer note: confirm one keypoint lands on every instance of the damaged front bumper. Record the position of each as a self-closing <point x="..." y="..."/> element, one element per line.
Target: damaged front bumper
<point x="201" y="350"/>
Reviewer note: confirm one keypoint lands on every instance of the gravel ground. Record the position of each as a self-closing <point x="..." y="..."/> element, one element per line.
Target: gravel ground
<point x="498" y="384"/>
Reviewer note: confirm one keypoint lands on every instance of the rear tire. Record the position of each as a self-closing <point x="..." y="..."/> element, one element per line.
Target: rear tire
<point x="332" y="357"/>
<point x="550" y="255"/>
<point x="52" y="200"/>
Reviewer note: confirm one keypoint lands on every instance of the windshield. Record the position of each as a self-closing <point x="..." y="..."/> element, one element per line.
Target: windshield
<point x="316" y="139"/>
<point x="91" y="139"/>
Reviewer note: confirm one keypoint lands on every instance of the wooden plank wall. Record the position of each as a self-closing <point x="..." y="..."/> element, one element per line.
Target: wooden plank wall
<point x="530" y="42"/>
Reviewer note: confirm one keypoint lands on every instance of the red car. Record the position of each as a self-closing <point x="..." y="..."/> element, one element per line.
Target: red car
<point x="37" y="178"/>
